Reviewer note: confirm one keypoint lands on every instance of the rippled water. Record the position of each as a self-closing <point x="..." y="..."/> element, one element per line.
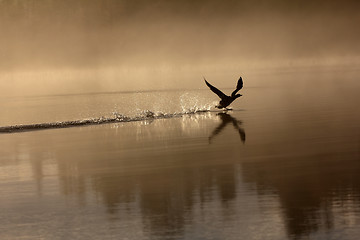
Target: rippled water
<point x="283" y="165"/>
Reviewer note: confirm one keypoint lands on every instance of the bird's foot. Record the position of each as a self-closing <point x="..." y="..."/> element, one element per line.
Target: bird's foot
<point x="228" y="109"/>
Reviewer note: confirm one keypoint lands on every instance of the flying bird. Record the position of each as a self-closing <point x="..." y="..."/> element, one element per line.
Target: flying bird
<point x="226" y="100"/>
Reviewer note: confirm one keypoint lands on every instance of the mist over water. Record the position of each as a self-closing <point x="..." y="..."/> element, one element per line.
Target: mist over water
<point x="61" y="47"/>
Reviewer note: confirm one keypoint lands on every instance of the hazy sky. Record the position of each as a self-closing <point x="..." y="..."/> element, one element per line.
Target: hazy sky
<point x="126" y="39"/>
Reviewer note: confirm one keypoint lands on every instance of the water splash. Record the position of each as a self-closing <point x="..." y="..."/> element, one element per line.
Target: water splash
<point x="190" y="102"/>
<point x="116" y="117"/>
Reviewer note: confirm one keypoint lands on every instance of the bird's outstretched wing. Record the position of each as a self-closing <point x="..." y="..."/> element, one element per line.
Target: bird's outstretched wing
<point x="215" y="90"/>
<point x="239" y="86"/>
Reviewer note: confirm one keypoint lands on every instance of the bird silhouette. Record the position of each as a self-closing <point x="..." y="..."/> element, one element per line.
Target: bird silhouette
<point x="226" y="100"/>
<point x="225" y="120"/>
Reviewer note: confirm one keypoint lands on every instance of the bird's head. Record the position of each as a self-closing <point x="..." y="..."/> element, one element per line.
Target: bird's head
<point x="237" y="95"/>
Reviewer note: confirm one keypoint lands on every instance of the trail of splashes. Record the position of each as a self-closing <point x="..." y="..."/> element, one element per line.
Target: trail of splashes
<point x="117" y="117"/>
<point x="190" y="102"/>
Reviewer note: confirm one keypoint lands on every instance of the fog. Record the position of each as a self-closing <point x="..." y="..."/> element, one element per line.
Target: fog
<point x="77" y="46"/>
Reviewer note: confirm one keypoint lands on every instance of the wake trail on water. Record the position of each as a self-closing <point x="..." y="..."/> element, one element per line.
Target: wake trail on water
<point x="116" y="118"/>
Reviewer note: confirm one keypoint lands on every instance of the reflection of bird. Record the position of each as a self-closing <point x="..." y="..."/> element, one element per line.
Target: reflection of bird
<point x="226" y="100"/>
<point x="226" y="119"/>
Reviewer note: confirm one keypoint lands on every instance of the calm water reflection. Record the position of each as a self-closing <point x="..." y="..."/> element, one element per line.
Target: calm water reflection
<point x="225" y="120"/>
<point x="296" y="176"/>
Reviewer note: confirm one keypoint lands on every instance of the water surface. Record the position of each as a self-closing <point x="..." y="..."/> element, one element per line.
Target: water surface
<point x="283" y="165"/>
